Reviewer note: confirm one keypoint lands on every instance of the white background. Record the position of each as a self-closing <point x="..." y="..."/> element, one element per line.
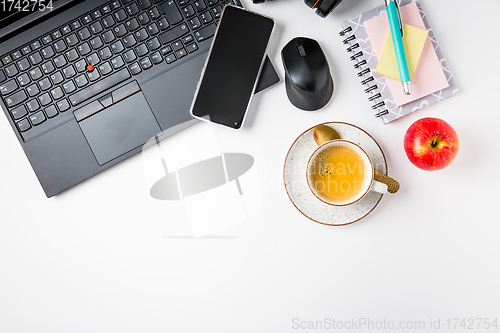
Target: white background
<point x="106" y="257"/>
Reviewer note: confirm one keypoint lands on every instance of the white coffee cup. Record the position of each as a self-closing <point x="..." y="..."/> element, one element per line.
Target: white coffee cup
<point x="369" y="184"/>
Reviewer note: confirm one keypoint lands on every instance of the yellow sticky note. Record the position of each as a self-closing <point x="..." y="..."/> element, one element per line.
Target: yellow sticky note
<point x="413" y="40"/>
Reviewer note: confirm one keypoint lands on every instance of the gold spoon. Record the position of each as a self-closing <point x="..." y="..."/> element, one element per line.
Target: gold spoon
<point x="323" y="133"/>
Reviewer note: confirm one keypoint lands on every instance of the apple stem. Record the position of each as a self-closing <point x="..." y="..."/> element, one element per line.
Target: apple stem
<point x="435" y="140"/>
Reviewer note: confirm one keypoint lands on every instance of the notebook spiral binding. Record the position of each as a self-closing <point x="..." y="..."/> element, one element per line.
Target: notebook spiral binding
<point x="360" y="62"/>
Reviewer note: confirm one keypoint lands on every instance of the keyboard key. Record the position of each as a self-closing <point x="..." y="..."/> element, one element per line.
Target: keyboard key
<point x="35" y="45"/>
<point x="23" y="125"/>
<point x="117" y="62"/>
<point x="156" y="58"/>
<point x="35" y="58"/>
<point x="23" y="79"/>
<point x="187" y="39"/>
<point x="132" y="24"/>
<point x="183" y="2"/>
<point x="96" y="14"/>
<point x="2" y="76"/>
<point x="116" y="4"/>
<point x="84" y="33"/>
<point x="11" y="70"/>
<point x="108" y="36"/>
<point x="32" y="105"/>
<point x="216" y="11"/>
<point x="167" y="49"/>
<point x="80" y="66"/>
<point x="143" y="18"/>
<point x="132" y="9"/>
<point x="141" y="35"/>
<point x="177" y="46"/>
<point x="146" y="63"/>
<point x="57" y="93"/>
<point x="51" y="111"/>
<point x="188" y="11"/>
<point x="120" y="15"/>
<point x="129" y="56"/>
<point x="8" y="87"/>
<point x="56" y="78"/>
<point x="60" y="61"/>
<point x="63" y="105"/>
<point x="66" y="29"/>
<point x="72" y="55"/>
<point x="170" y="58"/>
<point x="96" y="27"/>
<point x="32" y="90"/>
<point x="195" y="23"/>
<point x="96" y="42"/>
<point x="129" y="41"/>
<point x="59" y="46"/>
<point x="117" y="47"/>
<point x="84" y="49"/>
<point x="25" y="50"/>
<point x="153" y="44"/>
<point x="47" y="52"/>
<point x="45" y="84"/>
<point x="75" y="25"/>
<point x="44" y="99"/>
<point x="135" y="68"/>
<point x="174" y="33"/>
<point x="16" y="98"/>
<point x="105" y="53"/>
<point x="86" y="19"/>
<point x="200" y="5"/>
<point x="191" y="48"/>
<point x="181" y="53"/>
<point x="56" y="34"/>
<point x="108" y="21"/>
<point x="35" y="73"/>
<point x="206" y="32"/>
<point x="71" y="40"/>
<point x="93" y="59"/>
<point x="170" y="10"/>
<point x="163" y="24"/>
<point x="37" y="118"/>
<point x="69" y="87"/>
<point x="144" y="4"/>
<point x="120" y="30"/>
<point x="206" y="17"/>
<point x="154" y="13"/>
<point x="153" y="29"/>
<point x="16" y="55"/>
<point x="46" y="39"/>
<point x="6" y="60"/>
<point x="94" y="75"/>
<point x="105" y="68"/>
<point x="141" y="50"/>
<point x="81" y="81"/>
<point x="19" y="112"/>
<point x="99" y="86"/>
<point x="47" y="67"/>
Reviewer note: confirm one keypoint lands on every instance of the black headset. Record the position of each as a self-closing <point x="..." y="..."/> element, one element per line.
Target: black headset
<point x="323" y="7"/>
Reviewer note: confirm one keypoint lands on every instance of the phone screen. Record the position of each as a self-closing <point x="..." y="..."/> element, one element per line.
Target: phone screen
<point x="233" y="67"/>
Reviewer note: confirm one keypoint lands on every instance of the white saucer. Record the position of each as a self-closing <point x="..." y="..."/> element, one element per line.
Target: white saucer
<point x="294" y="176"/>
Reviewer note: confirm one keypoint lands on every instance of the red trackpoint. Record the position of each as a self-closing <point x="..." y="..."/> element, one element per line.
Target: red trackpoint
<point x="90" y="68"/>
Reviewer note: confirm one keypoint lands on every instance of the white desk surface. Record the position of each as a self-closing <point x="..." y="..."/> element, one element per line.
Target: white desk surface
<point x="106" y="257"/>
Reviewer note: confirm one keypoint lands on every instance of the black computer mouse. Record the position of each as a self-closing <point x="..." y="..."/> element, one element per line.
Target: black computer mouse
<point x="308" y="81"/>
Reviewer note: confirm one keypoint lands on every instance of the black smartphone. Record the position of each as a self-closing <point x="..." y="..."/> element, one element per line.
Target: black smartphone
<point x="233" y="66"/>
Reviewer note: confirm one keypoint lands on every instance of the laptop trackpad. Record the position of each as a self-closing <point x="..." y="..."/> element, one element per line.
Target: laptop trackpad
<point x="120" y="127"/>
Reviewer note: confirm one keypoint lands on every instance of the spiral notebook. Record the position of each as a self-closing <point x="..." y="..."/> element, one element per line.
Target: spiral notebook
<point x="433" y="81"/>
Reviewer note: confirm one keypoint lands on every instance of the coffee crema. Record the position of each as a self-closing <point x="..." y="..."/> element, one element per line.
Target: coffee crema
<point x="337" y="174"/>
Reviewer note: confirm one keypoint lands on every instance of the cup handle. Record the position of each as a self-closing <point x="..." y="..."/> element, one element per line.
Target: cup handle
<point x="392" y="185"/>
<point x="378" y="187"/>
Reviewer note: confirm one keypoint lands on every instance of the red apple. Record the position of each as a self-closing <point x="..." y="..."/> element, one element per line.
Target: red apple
<point x="431" y="144"/>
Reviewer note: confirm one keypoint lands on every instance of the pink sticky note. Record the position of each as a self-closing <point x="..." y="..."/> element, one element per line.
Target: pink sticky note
<point x="428" y="77"/>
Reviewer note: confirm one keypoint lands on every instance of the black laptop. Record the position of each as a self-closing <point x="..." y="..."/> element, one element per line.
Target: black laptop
<point x="85" y="84"/>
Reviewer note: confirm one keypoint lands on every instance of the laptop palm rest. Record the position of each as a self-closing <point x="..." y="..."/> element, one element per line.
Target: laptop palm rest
<point x="114" y="125"/>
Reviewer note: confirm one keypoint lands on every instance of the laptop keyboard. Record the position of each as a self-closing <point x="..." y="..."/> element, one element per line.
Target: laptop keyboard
<point x="117" y="41"/>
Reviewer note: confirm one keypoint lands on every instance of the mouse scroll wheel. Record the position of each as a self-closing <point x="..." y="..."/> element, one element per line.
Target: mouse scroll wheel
<point x="302" y="51"/>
